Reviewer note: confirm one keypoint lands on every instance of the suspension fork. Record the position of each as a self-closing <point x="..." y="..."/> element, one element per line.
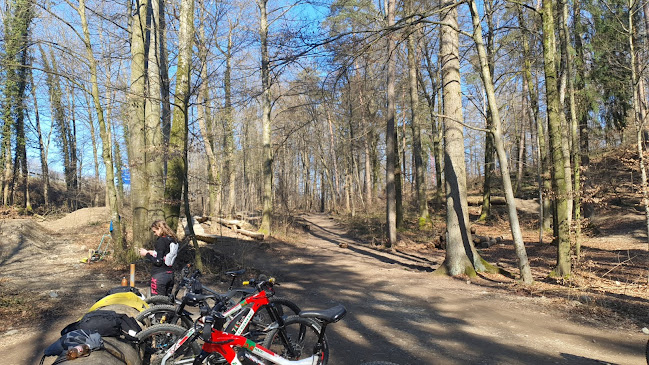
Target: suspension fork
<point x="281" y="325"/>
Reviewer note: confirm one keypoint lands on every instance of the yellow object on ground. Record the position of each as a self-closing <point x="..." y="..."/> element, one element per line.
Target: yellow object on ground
<point x="128" y="298"/>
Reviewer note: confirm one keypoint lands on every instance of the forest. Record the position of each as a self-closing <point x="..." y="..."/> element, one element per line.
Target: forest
<point x="159" y="110"/>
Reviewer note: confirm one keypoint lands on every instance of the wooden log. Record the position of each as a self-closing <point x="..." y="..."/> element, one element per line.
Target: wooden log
<point x="209" y="238"/>
<point x="255" y="235"/>
<point x="229" y="222"/>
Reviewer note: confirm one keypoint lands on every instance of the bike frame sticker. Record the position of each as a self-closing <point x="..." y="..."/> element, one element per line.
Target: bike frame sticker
<point x="177" y="345"/>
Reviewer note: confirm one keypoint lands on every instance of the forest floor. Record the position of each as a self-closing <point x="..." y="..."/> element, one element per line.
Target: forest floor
<point x="397" y="310"/>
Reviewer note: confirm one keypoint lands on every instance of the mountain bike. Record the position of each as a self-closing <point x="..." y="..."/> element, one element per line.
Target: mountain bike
<point x="189" y="282"/>
<point x="242" y="319"/>
<point x="300" y="341"/>
<point x="307" y="343"/>
<point x="248" y="311"/>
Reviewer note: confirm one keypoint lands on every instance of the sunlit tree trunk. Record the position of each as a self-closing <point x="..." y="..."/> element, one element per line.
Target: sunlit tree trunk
<point x="419" y="168"/>
<point x="178" y="138"/>
<point x="390" y="136"/>
<point x="267" y="175"/>
<point x="566" y="124"/>
<point x="559" y="183"/>
<point x="496" y="131"/>
<point x="137" y="127"/>
<point x="228" y="145"/>
<point x="154" y="139"/>
<point x="461" y="255"/>
<point x="489" y="150"/>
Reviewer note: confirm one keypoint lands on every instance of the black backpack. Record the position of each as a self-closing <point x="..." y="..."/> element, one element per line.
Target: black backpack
<point x="107" y="324"/>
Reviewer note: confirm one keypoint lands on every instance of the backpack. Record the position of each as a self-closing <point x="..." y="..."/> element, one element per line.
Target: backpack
<point x="107" y="324"/>
<point x="173" y="253"/>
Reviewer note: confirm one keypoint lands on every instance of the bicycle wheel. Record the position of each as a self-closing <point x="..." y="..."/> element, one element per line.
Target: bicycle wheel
<point x="159" y="300"/>
<point x="260" y="322"/>
<point x="154" y="342"/>
<point x="297" y="340"/>
<point x="161" y="314"/>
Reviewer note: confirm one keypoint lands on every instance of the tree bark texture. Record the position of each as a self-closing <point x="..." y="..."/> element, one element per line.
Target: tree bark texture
<point x="390" y="136"/>
<point x="559" y="183"/>
<point x="137" y="127"/>
<point x="267" y="171"/>
<point x="154" y="139"/>
<point x="461" y="255"/>
<point x="178" y="137"/>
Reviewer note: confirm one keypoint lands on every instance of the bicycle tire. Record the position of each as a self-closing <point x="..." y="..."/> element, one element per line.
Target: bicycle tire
<point x="159" y="300"/>
<point x="646" y="351"/>
<point x="303" y="334"/>
<point x="161" y="314"/>
<point x="154" y="341"/>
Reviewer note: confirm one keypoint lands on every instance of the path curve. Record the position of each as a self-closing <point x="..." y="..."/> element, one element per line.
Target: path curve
<point x="399" y="312"/>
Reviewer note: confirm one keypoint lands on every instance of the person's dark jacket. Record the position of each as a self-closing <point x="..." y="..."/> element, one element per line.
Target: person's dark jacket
<point x="161" y="248"/>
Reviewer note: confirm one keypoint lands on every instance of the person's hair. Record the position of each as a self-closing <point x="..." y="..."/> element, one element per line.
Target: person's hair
<point x="164" y="228"/>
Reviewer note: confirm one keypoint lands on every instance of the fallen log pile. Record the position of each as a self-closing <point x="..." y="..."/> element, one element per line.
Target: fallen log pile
<point x="236" y="226"/>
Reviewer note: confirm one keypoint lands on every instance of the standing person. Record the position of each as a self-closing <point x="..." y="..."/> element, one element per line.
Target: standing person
<point x="162" y="274"/>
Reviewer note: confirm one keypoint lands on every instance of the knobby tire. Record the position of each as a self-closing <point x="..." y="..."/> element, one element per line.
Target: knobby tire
<point x="302" y="334"/>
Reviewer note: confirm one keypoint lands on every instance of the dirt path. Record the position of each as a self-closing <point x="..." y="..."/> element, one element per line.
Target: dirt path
<point x="399" y="313"/>
<point x="396" y="311"/>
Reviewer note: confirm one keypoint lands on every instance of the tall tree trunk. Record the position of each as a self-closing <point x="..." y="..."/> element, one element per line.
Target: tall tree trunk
<point x="461" y="255"/>
<point x="489" y="158"/>
<point x="178" y="138"/>
<point x="559" y="183"/>
<point x="436" y="127"/>
<point x="21" y="142"/>
<point x="204" y="118"/>
<point x="419" y="168"/>
<point x="486" y="73"/>
<point x="267" y="175"/>
<point x="574" y="133"/>
<point x="581" y="84"/>
<point x="136" y="127"/>
<point x="334" y="157"/>
<point x="368" y="172"/>
<point x="165" y="89"/>
<point x="638" y="118"/>
<point x="228" y="145"/>
<point x="45" y="175"/>
<point x="390" y="136"/>
<point x="154" y="137"/>
<point x="544" y="181"/>
<point x="117" y="233"/>
<point x="95" y="158"/>
<point x="565" y="123"/>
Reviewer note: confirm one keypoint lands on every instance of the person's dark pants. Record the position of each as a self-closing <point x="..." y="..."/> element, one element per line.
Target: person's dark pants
<point x="162" y="283"/>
